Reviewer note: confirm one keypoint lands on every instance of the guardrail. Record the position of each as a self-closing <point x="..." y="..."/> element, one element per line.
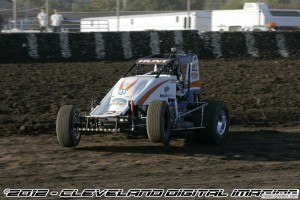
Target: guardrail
<point x="27" y="25"/>
<point x="54" y="47"/>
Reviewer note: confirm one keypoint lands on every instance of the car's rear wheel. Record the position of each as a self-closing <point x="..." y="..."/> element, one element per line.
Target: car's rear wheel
<point x="67" y="123"/>
<point x="158" y="122"/>
<point x="215" y="120"/>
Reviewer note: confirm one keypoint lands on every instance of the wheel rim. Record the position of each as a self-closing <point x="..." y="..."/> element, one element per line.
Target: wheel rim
<point x="76" y="122"/>
<point x="222" y="123"/>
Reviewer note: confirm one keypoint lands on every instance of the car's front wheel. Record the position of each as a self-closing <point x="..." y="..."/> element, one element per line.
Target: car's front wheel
<point x="67" y="123"/>
<point x="158" y="122"/>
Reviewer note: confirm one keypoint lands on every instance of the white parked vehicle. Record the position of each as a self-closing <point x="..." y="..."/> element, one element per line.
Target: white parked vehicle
<point x="159" y="94"/>
<point x="252" y="15"/>
<point x="195" y="20"/>
<point x="255" y="17"/>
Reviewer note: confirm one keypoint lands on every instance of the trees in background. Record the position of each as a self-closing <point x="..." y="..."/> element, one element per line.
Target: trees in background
<point x="150" y="5"/>
<point x="53" y="4"/>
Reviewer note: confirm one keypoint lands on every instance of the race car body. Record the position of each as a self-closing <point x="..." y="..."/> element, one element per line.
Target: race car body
<point x="159" y="94"/>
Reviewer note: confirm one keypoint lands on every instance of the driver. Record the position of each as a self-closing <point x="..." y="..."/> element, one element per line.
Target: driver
<point x="179" y="83"/>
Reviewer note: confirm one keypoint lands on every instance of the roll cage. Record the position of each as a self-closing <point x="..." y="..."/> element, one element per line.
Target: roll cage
<point x="169" y="64"/>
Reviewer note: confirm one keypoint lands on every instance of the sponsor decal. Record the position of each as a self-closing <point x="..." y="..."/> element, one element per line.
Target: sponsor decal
<point x="193" y="84"/>
<point x="194" y="75"/>
<point x="166" y="96"/>
<point x="119" y="102"/>
<point x="153" y="61"/>
<point x="195" y="68"/>
<point x="167" y="89"/>
<point x="124" y="87"/>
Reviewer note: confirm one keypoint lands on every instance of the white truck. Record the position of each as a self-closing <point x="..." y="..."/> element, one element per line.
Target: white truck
<point x="196" y="20"/>
<point x="253" y="16"/>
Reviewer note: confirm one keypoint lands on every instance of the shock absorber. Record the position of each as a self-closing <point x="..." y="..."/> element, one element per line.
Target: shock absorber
<point x="132" y="115"/>
<point x="132" y="109"/>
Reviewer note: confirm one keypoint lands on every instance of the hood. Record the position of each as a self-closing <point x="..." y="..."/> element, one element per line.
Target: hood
<point x="140" y="90"/>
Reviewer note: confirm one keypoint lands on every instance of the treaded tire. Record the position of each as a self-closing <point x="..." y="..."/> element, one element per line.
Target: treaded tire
<point x="216" y="122"/>
<point x="158" y="122"/>
<point x="67" y="134"/>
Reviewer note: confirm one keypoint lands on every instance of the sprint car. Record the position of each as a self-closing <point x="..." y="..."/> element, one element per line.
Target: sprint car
<point x="158" y="95"/>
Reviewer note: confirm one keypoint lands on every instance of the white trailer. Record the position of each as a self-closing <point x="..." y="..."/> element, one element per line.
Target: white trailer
<point x="253" y="16"/>
<point x="197" y="20"/>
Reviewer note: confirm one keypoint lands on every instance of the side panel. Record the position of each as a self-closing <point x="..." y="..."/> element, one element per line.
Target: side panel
<point x="193" y="72"/>
<point x="162" y="88"/>
<point x="188" y="83"/>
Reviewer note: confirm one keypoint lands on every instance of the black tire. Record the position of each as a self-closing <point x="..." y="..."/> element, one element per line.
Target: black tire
<point x="215" y="120"/>
<point x="66" y="124"/>
<point x="158" y="122"/>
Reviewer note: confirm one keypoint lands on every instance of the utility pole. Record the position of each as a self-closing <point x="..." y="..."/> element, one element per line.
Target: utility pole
<point x="188" y="21"/>
<point x="47" y="12"/>
<point x="124" y="3"/>
<point x="15" y="13"/>
<point x="259" y="11"/>
<point x="118" y="15"/>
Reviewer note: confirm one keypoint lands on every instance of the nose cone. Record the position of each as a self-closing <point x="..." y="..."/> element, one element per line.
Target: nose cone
<point x="127" y="89"/>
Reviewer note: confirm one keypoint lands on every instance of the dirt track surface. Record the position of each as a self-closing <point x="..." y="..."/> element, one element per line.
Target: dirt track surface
<point x="263" y="150"/>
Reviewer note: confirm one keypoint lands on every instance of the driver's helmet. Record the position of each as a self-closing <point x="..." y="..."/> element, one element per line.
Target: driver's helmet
<point x="158" y="68"/>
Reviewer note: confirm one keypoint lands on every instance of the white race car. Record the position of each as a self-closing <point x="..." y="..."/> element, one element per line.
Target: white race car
<point x="159" y="94"/>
